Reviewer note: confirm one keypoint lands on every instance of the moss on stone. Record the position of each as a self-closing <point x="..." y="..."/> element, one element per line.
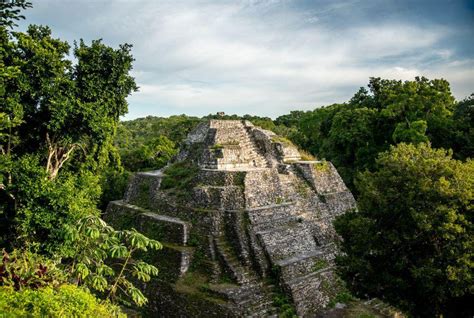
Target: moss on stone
<point x="141" y="197"/>
<point x="239" y="179"/>
<point x="280" y="300"/>
<point x="122" y="217"/>
<point x="320" y="264"/>
<point x="216" y="147"/>
<point x="196" y="285"/>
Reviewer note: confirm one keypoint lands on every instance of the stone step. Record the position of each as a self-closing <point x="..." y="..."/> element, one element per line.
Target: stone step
<point x="241" y="295"/>
<point x="287" y="240"/>
<point x="267" y="213"/>
<point x="253" y="299"/>
<point x="263" y="309"/>
<point x="270" y="224"/>
<point x="241" y="273"/>
<point x="311" y="293"/>
<point x="304" y="264"/>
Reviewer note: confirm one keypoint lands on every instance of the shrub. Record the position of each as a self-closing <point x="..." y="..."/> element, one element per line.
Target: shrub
<point x="64" y="301"/>
<point x="24" y="269"/>
<point x="44" y="206"/>
<point x="98" y="246"/>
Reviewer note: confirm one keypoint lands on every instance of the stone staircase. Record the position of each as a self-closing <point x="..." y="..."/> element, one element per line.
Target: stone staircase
<point x="232" y="265"/>
<point x="236" y="147"/>
<point x="254" y="298"/>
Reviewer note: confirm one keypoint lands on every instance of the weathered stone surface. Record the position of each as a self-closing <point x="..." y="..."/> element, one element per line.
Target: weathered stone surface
<point x="253" y="211"/>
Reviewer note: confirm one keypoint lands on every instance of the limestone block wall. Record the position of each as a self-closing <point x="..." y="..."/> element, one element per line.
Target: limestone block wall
<point x="322" y="176"/>
<point x="263" y="139"/>
<point x="286" y="151"/>
<point x="175" y="258"/>
<point x="261" y="188"/>
<point x="142" y="188"/>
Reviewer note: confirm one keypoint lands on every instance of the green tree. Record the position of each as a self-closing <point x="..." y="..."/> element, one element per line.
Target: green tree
<point x="152" y="154"/>
<point x="58" y="120"/>
<point x="351" y="140"/>
<point x="42" y="206"/>
<point x="461" y="130"/>
<point x="57" y="123"/>
<point x="10" y="12"/>
<point x="68" y="107"/>
<point x="411" y="241"/>
<point x="390" y="111"/>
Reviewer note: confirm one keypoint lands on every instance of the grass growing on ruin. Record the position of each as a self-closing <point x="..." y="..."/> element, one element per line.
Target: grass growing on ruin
<point x="303" y="188"/>
<point x="191" y="283"/>
<point x="216" y="147"/>
<point x="306" y="156"/>
<point x="233" y="142"/>
<point x="322" y="166"/>
<point x="282" y="140"/>
<point x="239" y="179"/>
<point x="280" y="299"/>
<point x="179" y="176"/>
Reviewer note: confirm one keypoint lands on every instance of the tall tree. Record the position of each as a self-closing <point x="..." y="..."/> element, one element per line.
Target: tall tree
<point x="411" y="242"/>
<point x="57" y="124"/>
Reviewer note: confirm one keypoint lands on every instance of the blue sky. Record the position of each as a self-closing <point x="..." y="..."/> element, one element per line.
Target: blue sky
<point x="269" y="57"/>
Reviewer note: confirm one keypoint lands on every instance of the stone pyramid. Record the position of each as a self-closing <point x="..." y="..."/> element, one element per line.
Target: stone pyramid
<point x="246" y="225"/>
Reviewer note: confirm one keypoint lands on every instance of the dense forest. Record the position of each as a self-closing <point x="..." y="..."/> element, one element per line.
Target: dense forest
<point x="403" y="147"/>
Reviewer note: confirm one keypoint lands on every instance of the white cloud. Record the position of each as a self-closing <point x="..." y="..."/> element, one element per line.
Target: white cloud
<point x="261" y="57"/>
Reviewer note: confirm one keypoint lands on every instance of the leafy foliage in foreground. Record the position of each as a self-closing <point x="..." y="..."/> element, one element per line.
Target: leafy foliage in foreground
<point x="62" y="301"/>
<point x="24" y="269"/>
<point x="103" y="259"/>
<point x="411" y="242"/>
<point x="33" y="285"/>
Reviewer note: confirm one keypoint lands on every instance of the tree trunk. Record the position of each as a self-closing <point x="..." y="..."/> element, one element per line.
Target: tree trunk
<point x="57" y="156"/>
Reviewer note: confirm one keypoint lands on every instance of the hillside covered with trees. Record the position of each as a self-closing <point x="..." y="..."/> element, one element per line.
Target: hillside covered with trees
<point x="403" y="147"/>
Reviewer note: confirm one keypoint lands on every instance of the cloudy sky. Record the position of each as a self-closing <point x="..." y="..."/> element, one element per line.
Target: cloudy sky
<point x="267" y="57"/>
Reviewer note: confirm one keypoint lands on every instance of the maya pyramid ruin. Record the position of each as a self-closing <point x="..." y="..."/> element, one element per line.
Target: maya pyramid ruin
<point x="246" y="225"/>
